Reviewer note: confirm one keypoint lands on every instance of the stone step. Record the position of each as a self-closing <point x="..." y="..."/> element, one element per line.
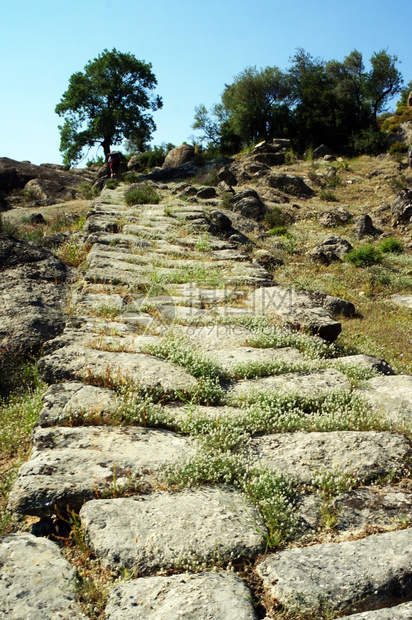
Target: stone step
<point x="66" y="403"/>
<point x="297" y="309"/>
<point x="373" y="571"/>
<point x="36" y="581"/>
<point x="206" y="596"/>
<point x="365" y="456"/>
<point x="115" y="369"/>
<point x="69" y="466"/>
<point x="391" y="395"/>
<point x="172" y="530"/>
<point x="399" y="612"/>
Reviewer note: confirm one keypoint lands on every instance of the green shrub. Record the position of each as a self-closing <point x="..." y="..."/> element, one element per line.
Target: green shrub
<point x="327" y="196"/>
<point x="369" y="142"/>
<point x="392" y="121"/>
<point x="225" y="200"/>
<point x="391" y="245"/>
<point x="278" y="231"/>
<point x="274" y="218"/>
<point x="397" y="147"/>
<point x="111" y="184"/>
<point x="130" y="178"/>
<point x="142" y="195"/>
<point x="365" y="256"/>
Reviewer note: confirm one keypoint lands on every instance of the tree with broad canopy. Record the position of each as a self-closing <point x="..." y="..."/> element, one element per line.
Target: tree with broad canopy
<point x="109" y="101"/>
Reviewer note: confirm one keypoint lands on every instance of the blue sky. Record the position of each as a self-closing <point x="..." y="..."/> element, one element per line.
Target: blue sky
<point x="195" y="49"/>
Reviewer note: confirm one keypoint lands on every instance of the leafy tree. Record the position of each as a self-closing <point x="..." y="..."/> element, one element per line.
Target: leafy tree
<point x="384" y="81"/>
<point x="108" y="101"/>
<point x="210" y="127"/>
<point x="255" y="104"/>
<point x="314" y="100"/>
<point x="403" y="101"/>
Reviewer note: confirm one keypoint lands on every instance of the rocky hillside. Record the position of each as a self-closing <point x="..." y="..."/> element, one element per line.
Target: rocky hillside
<point x="226" y="419"/>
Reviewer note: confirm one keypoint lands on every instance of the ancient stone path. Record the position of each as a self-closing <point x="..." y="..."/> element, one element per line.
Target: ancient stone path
<point x="222" y="466"/>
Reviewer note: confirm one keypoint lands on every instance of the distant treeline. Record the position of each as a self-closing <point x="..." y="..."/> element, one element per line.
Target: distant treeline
<point x="338" y="103"/>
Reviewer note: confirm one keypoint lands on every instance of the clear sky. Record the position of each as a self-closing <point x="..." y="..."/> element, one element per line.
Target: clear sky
<point x="195" y="47"/>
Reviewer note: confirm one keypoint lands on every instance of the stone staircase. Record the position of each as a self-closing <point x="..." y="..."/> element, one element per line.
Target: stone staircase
<point x="217" y="464"/>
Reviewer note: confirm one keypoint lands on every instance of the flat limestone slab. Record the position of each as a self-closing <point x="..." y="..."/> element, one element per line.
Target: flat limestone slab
<point x="80" y="363"/>
<point x="206" y="596"/>
<point x="164" y="529"/>
<point x="402" y="300"/>
<point x="72" y="465"/>
<point x="392" y="395"/>
<point x="63" y="403"/>
<point x="214" y="338"/>
<point x="376" y="570"/>
<point x="297" y="309"/>
<point x="365" y="455"/>
<point x="36" y="581"/>
<point x="399" y="612"/>
<point x="234" y="358"/>
<point x="319" y="381"/>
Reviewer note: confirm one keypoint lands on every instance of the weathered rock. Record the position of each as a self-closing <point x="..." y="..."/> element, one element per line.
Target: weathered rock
<point x="144" y="372"/>
<point x="189" y="191"/>
<point x="319" y="381"/>
<point x="71" y="465"/>
<point x="269" y="159"/>
<point x="297" y="309"/>
<point x="399" y="612"/>
<point x="36" y="581"/>
<point x="163" y="530"/>
<point x="65" y="403"/>
<point x="179" y="155"/>
<point x="331" y="249"/>
<point x="206" y="192"/>
<point x="233" y="359"/>
<point x="367" y="361"/>
<point x="267" y="260"/>
<point x="334" y="305"/>
<point x="219" y="222"/>
<point x="321" y="151"/>
<point x="290" y="184"/>
<point x="47" y="191"/>
<point x="227" y="176"/>
<point x="340" y="575"/>
<point x="392" y="396"/>
<point x="33" y="296"/>
<point x="336" y="217"/>
<point x="364" y="455"/>
<point x="402" y="208"/>
<point x="206" y="596"/>
<point x="363" y="227"/>
<point x="16" y="174"/>
<point x="366" y="507"/>
<point x="248" y="204"/>
<point x="402" y="300"/>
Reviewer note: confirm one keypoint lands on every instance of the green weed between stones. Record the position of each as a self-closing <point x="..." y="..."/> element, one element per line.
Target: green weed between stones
<point x="266" y="335"/>
<point x="273" y="494"/>
<point x="18" y="413"/>
<point x="277" y="412"/>
<point x="141" y="195"/>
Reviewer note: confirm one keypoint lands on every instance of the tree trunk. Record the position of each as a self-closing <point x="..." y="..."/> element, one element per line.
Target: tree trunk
<point x="106" y="147"/>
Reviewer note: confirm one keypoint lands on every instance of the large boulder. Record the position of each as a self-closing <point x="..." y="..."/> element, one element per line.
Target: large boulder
<point x="15" y="175"/>
<point x="179" y="155"/>
<point x="402" y="208"/>
<point x="248" y="204"/>
<point x="333" y="248"/>
<point x="364" y="227"/>
<point x="290" y="184"/>
<point x="33" y="297"/>
<point x="336" y="217"/>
